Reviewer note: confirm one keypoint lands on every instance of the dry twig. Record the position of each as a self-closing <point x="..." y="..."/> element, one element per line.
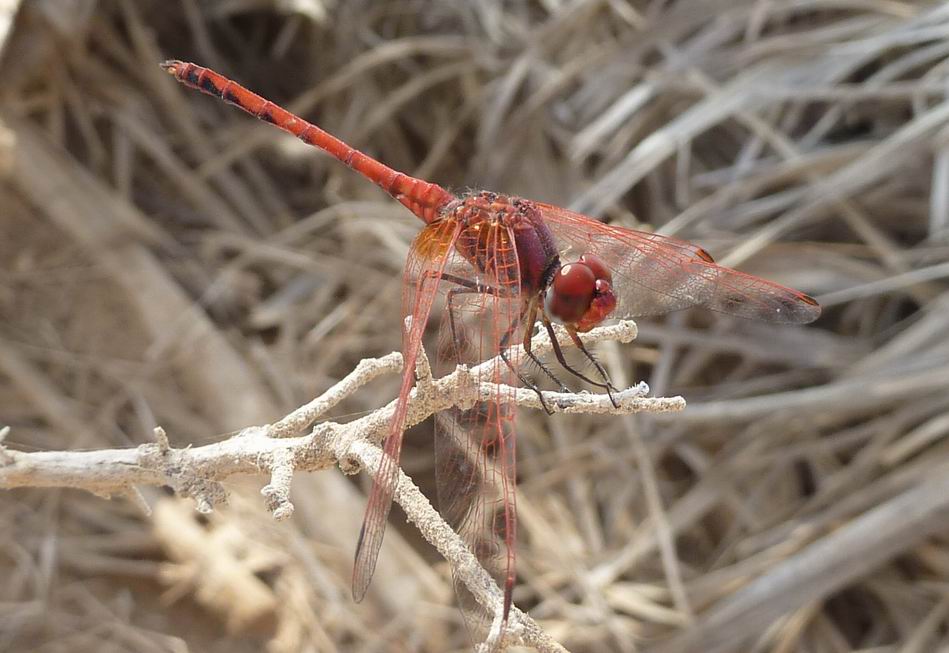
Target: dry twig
<point x="280" y="450"/>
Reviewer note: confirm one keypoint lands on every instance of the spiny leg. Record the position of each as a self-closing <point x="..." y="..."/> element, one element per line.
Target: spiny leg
<point x="505" y="341"/>
<point x="528" y="336"/>
<point x="610" y="388"/>
<point x="558" y="352"/>
<point x="467" y="287"/>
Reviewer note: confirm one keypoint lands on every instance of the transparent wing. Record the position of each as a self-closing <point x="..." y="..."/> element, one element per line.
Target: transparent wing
<point x="423" y="271"/>
<point x="475" y="448"/>
<point x="654" y="274"/>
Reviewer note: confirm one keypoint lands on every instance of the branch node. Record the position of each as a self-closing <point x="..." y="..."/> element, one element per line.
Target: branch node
<point x="203" y="505"/>
<point x="277" y="492"/>
<point x="162" y="439"/>
<point x="464" y="387"/>
<point x="423" y="372"/>
<point x="350" y="464"/>
<point x="500" y="633"/>
<point x="206" y="493"/>
<point x="424" y="381"/>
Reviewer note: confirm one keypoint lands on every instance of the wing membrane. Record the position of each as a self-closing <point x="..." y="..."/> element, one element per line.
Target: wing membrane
<point x="475" y="448"/>
<point x="423" y="271"/>
<point x="655" y="274"/>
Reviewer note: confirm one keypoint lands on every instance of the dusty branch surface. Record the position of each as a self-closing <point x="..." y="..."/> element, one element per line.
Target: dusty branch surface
<point x="275" y="448"/>
<point x="278" y="450"/>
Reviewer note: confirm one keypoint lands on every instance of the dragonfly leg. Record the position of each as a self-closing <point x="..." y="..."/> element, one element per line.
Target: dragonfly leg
<point x="528" y="336"/>
<point x="505" y="342"/>
<point x="610" y="388"/>
<point x="466" y="287"/>
<point x="558" y="352"/>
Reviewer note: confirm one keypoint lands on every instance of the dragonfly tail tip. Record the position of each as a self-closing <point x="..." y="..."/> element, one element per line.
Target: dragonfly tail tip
<point x="171" y="66"/>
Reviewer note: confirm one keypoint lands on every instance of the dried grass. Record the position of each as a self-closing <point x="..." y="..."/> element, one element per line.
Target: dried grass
<point x="169" y="261"/>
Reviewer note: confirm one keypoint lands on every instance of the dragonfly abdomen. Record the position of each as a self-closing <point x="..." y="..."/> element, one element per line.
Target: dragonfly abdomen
<point x="423" y="198"/>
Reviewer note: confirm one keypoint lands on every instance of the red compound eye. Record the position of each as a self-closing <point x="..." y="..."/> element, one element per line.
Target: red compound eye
<point x="571" y="292"/>
<point x="597" y="266"/>
<point x="581" y="293"/>
<point x="575" y="279"/>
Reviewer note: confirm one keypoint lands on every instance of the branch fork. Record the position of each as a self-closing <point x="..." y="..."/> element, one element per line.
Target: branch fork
<point x="280" y="450"/>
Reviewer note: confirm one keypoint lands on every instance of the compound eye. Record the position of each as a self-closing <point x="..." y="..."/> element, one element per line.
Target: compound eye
<point x="572" y="291"/>
<point x="598" y="267"/>
<point x="575" y="279"/>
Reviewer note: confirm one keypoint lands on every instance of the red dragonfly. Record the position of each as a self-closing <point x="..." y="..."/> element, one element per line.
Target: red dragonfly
<point x="497" y="262"/>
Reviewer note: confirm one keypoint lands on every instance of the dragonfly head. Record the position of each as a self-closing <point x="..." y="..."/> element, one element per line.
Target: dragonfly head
<point x="581" y="293"/>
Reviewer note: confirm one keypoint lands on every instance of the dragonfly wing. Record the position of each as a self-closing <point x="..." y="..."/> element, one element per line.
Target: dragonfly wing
<point x="423" y="271"/>
<point x="655" y="274"/>
<point x="475" y="448"/>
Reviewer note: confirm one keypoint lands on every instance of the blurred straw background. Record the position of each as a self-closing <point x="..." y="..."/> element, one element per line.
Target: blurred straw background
<point x="168" y="260"/>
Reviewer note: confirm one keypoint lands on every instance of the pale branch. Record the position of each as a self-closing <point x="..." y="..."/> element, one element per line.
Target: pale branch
<point x="366" y="371"/>
<point x="279" y="450"/>
<point x="449" y="544"/>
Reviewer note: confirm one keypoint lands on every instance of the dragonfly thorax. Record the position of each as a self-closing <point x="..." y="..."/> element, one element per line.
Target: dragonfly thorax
<point x="506" y="240"/>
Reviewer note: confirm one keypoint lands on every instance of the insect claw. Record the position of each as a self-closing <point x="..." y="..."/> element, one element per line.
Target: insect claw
<point x="609" y="392"/>
<point x="543" y="402"/>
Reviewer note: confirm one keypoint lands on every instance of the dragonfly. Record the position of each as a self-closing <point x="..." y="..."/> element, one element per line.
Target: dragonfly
<point x="503" y="267"/>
